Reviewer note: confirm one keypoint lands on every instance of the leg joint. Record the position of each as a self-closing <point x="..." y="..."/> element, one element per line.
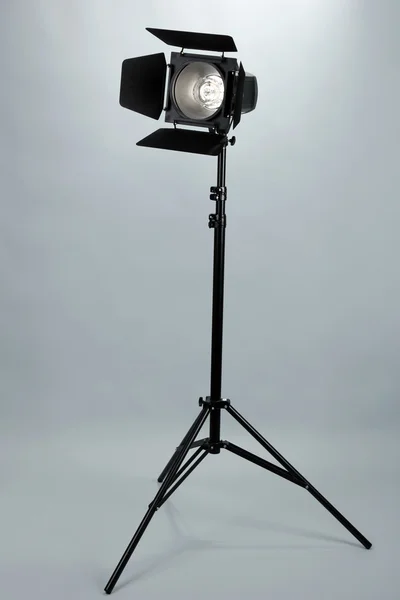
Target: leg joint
<point x="213" y="404"/>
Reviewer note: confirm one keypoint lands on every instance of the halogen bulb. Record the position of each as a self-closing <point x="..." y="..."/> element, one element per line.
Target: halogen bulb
<point x="209" y="92"/>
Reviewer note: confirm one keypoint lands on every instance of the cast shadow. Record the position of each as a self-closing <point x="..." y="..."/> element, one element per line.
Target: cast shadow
<point x="292" y="530"/>
<point x="186" y="542"/>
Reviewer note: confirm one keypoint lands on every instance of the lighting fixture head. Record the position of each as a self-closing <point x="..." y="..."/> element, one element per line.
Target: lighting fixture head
<point x="203" y="91"/>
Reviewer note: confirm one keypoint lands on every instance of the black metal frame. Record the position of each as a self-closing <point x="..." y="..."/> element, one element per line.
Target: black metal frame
<point x="176" y="470"/>
<point x="227" y="67"/>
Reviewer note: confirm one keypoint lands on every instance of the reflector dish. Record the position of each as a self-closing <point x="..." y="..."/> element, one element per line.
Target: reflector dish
<point x="199" y="90"/>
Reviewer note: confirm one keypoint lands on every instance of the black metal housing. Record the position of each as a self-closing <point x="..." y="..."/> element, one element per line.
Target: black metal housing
<point x="227" y="68"/>
<point x="250" y="94"/>
<point x="237" y="113"/>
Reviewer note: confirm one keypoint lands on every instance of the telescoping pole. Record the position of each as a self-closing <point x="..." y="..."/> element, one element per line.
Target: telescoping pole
<point x="218" y="223"/>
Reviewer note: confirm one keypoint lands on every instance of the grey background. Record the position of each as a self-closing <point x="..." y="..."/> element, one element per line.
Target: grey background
<point x="105" y="305"/>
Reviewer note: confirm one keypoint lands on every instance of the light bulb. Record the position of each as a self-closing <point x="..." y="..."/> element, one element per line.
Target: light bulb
<point x="209" y="92"/>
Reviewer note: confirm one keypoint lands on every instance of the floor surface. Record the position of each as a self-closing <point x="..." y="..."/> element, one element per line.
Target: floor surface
<point x="71" y="501"/>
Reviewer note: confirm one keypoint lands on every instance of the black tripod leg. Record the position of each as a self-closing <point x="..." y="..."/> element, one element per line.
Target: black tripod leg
<point x="195" y="427"/>
<point x="246" y="425"/>
<point x="171" y="475"/>
<point x="179" y="480"/>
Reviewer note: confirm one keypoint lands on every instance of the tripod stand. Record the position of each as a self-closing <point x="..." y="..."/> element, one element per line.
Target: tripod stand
<point x="176" y="470"/>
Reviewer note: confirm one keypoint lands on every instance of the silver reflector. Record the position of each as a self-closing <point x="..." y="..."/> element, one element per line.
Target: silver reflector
<point x="199" y="90"/>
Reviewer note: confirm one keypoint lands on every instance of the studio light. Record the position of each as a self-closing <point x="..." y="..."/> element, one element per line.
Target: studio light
<point x="208" y="93"/>
<point x="203" y="91"/>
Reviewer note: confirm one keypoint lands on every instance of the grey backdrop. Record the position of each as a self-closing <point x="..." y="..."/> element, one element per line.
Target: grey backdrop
<point x="105" y="260"/>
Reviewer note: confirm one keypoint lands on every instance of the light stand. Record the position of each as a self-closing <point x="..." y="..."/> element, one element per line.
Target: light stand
<point x="176" y="471"/>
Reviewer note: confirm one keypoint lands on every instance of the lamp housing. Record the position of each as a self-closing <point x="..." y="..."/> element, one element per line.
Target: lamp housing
<point x="209" y="92"/>
<point x="223" y="68"/>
